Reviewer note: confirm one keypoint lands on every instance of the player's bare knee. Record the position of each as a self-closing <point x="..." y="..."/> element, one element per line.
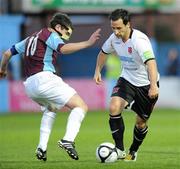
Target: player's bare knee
<point x="141" y="124"/>
<point x="113" y="110"/>
<point x="84" y="107"/>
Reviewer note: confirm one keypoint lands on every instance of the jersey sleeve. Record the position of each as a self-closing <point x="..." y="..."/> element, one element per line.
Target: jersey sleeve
<point x="107" y="46"/>
<point x="55" y="42"/>
<point x="144" y="49"/>
<point x="20" y="47"/>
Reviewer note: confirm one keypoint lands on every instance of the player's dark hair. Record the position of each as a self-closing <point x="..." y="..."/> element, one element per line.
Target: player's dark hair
<point x="120" y="14"/>
<point x="62" y="19"/>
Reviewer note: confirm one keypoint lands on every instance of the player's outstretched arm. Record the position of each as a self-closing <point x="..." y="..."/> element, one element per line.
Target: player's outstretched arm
<point x="4" y="63"/>
<point x="101" y="60"/>
<point x="73" y="47"/>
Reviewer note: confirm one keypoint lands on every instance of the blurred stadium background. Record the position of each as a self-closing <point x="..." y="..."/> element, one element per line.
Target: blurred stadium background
<point x="19" y="127"/>
<point x="157" y="18"/>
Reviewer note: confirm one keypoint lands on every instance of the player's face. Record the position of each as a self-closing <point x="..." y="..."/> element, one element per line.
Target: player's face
<point x="119" y="28"/>
<point x="65" y="32"/>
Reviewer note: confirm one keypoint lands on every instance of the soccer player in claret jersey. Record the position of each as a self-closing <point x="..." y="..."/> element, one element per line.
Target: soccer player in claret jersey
<point x="44" y="86"/>
<point x="137" y="85"/>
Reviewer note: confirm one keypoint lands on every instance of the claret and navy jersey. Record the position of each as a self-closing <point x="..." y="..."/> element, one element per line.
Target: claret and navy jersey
<point x="40" y="51"/>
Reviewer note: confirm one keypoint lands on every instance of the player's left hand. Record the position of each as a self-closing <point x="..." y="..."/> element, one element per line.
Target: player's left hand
<point x="153" y="91"/>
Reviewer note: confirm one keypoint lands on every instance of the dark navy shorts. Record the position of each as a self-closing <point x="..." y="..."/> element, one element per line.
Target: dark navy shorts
<point x="142" y="103"/>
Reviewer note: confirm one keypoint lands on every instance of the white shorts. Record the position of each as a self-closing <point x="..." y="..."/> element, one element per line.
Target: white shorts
<point x="49" y="90"/>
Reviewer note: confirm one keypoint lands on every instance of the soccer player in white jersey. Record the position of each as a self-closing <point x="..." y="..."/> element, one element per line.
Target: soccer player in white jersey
<point x="42" y="85"/>
<point x="137" y="86"/>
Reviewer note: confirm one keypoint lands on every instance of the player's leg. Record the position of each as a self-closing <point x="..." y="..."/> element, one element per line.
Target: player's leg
<point x="43" y="89"/>
<point x="143" y="106"/>
<point x="116" y="123"/>
<point x="139" y="134"/>
<point x="120" y="98"/>
<point x="78" y="111"/>
<point x="140" y="131"/>
<point x="77" y="114"/>
<point x="55" y="94"/>
<point x="45" y="131"/>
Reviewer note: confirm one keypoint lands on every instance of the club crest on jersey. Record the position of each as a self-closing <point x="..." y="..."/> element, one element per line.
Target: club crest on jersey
<point x="129" y="50"/>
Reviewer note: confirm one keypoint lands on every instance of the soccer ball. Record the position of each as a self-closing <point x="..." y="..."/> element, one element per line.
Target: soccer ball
<point x="106" y="153"/>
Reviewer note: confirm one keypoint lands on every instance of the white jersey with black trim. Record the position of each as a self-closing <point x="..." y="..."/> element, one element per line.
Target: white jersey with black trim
<point x="133" y="53"/>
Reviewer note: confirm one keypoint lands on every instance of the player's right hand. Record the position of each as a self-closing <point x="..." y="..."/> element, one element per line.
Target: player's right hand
<point x="97" y="78"/>
<point x="2" y="74"/>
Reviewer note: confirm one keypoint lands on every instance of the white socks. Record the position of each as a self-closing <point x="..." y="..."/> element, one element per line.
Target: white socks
<point x="45" y="128"/>
<point x="73" y="125"/>
<point x="74" y="122"/>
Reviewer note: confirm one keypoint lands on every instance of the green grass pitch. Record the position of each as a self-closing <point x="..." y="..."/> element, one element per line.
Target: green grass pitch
<point x="19" y="135"/>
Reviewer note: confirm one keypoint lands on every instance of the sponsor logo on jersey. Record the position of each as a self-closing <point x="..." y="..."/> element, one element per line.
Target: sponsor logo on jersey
<point x="117" y="42"/>
<point x="127" y="59"/>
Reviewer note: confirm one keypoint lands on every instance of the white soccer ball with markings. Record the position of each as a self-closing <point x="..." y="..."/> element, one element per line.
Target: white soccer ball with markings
<point x="106" y="153"/>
